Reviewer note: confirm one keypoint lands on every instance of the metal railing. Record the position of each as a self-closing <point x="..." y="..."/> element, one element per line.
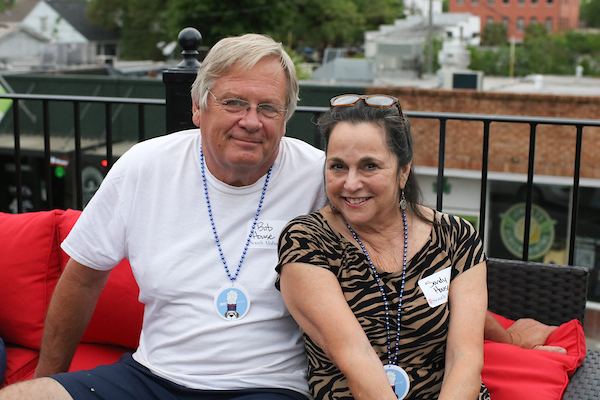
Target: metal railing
<point x="533" y="122"/>
<point x="76" y="101"/>
<point x="487" y="120"/>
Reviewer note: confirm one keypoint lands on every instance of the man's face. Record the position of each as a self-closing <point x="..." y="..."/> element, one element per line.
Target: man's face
<point x="239" y="148"/>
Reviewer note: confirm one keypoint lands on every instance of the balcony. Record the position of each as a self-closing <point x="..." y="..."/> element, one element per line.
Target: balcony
<point x="529" y="184"/>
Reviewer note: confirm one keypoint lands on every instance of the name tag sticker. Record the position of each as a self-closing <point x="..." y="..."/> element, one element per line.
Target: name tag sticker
<point x="436" y="287"/>
<point x="266" y="233"/>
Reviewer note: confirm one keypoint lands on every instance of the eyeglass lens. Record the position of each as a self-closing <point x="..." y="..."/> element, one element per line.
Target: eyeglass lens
<point x="380" y="101"/>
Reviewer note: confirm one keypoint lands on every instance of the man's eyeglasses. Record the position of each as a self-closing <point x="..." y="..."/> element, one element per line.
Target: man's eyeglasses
<point x="238" y="106"/>
<point x="373" y="100"/>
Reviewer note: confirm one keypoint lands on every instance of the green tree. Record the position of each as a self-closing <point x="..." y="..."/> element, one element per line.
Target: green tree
<point x="494" y="34"/>
<point x="586" y="49"/>
<point x="589" y="12"/>
<point x="547" y="54"/>
<point x="542" y="53"/>
<point x="139" y="22"/>
<point x="316" y="23"/>
<point x="313" y="22"/>
<point x="535" y="32"/>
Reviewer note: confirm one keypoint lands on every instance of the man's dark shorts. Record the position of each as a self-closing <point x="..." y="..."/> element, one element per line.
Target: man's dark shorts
<point x="2" y="361"/>
<point x="129" y="380"/>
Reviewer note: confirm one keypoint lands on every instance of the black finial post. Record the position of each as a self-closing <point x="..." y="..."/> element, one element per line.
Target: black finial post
<point x="178" y="82"/>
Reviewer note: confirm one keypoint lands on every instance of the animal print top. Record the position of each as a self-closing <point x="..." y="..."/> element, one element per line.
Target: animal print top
<point x="454" y="244"/>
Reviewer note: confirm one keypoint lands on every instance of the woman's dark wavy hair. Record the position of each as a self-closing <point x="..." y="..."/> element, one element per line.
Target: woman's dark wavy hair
<point x="397" y="138"/>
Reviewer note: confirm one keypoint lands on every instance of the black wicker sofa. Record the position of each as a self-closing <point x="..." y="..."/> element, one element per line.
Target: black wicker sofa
<point x="552" y="294"/>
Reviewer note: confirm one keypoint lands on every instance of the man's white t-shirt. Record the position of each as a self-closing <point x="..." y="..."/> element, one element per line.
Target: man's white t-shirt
<point x="151" y="209"/>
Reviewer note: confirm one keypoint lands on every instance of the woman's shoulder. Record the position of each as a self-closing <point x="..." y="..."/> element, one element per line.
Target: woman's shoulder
<point x="315" y="224"/>
<point x="308" y="223"/>
<point x="450" y="220"/>
<point x="315" y="218"/>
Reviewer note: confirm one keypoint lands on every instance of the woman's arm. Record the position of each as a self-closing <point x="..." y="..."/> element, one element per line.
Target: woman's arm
<point x="316" y="301"/>
<point x="464" y="350"/>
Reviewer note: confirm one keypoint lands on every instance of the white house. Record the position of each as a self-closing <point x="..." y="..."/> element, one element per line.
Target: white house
<point x="397" y="50"/>
<point x="20" y="46"/>
<point x="415" y="28"/>
<point x="70" y="37"/>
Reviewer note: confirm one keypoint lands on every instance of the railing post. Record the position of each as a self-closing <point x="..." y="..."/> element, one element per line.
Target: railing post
<point x="178" y="82"/>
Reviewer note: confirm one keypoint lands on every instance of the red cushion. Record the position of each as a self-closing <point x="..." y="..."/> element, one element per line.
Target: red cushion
<point x="513" y="373"/>
<point x="20" y="365"/>
<point x="29" y="270"/>
<point x="117" y="319"/>
<point x="22" y="362"/>
<point x="88" y="356"/>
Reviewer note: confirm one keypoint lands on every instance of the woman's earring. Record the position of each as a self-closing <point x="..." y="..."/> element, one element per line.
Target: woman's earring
<point x="402" y="200"/>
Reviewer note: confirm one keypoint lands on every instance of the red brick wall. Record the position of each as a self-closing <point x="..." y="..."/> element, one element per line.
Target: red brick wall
<point x="564" y="13"/>
<point x="509" y="143"/>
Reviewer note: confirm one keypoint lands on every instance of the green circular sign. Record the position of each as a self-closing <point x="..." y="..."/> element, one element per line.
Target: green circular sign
<point x="541" y="232"/>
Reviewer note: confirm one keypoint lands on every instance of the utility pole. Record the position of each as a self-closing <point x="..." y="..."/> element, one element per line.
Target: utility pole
<point x="430" y="40"/>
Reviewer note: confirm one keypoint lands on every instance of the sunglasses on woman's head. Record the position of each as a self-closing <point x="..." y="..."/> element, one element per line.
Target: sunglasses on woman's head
<point x="373" y="100"/>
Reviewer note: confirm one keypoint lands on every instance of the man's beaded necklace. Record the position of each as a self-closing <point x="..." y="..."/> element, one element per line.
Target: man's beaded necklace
<point x="231" y="277"/>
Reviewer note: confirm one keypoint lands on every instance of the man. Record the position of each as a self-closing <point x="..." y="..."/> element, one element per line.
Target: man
<point x="198" y="214"/>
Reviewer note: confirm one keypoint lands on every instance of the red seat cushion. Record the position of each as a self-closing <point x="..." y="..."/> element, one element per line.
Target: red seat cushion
<point x="29" y="270"/>
<point x="513" y="373"/>
<point x="88" y="356"/>
<point x="117" y="319"/>
<point x="21" y="363"/>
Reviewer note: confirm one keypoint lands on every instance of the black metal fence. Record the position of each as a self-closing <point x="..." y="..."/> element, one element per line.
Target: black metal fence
<point x="76" y="102"/>
<point x="578" y="125"/>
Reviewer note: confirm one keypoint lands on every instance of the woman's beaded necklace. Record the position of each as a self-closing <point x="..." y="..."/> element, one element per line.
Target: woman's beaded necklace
<point x="391" y="359"/>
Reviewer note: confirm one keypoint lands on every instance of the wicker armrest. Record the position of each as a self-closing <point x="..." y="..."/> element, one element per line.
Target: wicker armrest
<point x="550" y="293"/>
<point x="585" y="383"/>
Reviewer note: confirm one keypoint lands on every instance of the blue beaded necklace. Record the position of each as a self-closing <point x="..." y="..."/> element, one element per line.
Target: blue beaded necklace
<point x="393" y="360"/>
<point x="214" y="228"/>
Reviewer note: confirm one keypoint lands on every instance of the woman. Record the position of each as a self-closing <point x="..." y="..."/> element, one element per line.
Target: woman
<point x="372" y="278"/>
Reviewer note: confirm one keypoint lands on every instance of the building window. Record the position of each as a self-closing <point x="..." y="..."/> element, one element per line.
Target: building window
<point x="490" y="20"/>
<point x="534" y="2"/>
<point x="549" y="24"/>
<point x="550" y="2"/>
<point x="474" y="2"/>
<point x="521" y="2"/>
<point x="520" y="24"/>
<point x="44" y="24"/>
<point x="460" y="2"/>
<point x="533" y="20"/>
<point x="505" y="21"/>
<point x="506" y="2"/>
<point x="491" y="2"/>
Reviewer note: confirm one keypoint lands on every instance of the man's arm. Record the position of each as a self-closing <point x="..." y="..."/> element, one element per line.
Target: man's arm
<point x="526" y="333"/>
<point x="69" y="314"/>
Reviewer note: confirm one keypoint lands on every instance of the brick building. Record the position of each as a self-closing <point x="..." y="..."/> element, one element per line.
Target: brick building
<point x="556" y="15"/>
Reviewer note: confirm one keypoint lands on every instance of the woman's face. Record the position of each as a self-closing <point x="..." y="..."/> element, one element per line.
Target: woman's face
<point x="362" y="175"/>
